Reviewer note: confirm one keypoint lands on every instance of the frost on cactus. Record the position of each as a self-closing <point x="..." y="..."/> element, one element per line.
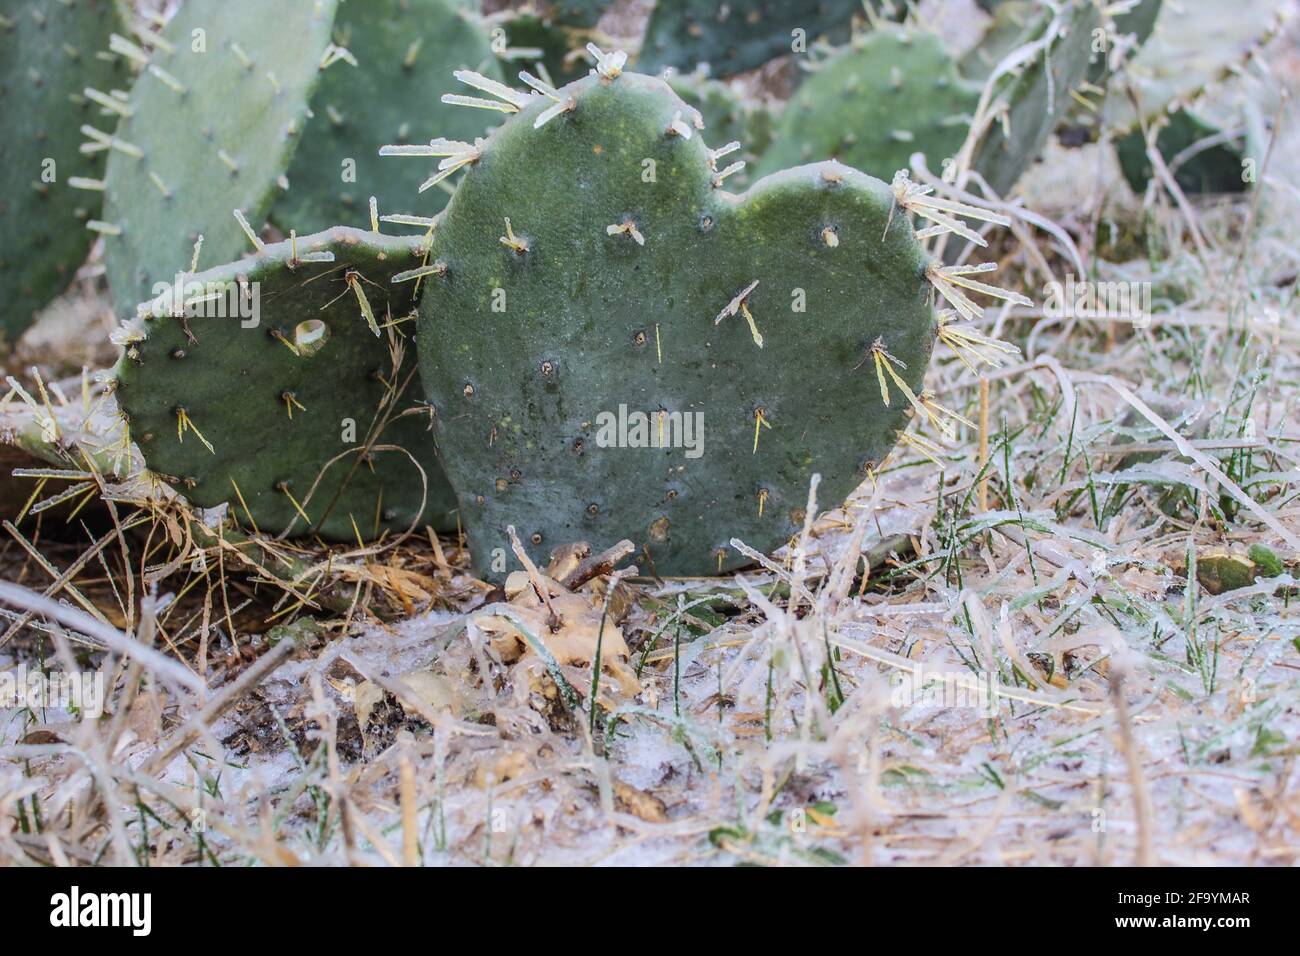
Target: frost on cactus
<point x="1004" y="33"/>
<point x="1188" y="52"/>
<point x="876" y="103"/>
<point x="283" y="384"/>
<point x="727" y="115"/>
<point x="1136" y="23"/>
<point x="398" y="50"/>
<point x="1192" y="46"/>
<point x="209" y="128"/>
<point x="738" y="36"/>
<point x="52" y="82"/>
<point x="635" y="363"/>
<point x="1126" y="31"/>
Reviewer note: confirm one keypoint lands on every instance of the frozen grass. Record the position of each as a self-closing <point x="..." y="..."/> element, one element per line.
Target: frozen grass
<point x="1051" y="551"/>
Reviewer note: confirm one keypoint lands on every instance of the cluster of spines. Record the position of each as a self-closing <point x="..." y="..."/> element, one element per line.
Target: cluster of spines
<point x="114" y="105"/>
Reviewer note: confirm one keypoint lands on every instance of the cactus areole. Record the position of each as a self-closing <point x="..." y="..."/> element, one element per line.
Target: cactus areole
<point x="617" y="347"/>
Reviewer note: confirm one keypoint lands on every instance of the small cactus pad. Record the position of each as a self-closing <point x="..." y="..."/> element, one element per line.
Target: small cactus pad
<point x="1030" y="101"/>
<point x="872" y="106"/>
<point x="738" y="36"/>
<point x="49" y="58"/>
<point x="1128" y="31"/>
<point x="275" y="374"/>
<point x="1193" y="45"/>
<point x="213" y="120"/>
<point x="403" y="49"/>
<point x="1213" y="169"/>
<point x="659" y="359"/>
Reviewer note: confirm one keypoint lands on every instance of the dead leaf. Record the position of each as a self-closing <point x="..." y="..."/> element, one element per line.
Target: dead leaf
<point x="640" y="804"/>
<point x="566" y="559"/>
<point x="1250" y="814"/>
<point x="39" y="737"/>
<point x="420" y="693"/>
<point x="505" y="767"/>
<point x="572" y="642"/>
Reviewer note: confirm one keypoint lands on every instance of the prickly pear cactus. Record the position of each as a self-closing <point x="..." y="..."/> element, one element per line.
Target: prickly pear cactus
<point x="1029" y="102"/>
<point x="636" y="363"/>
<point x="256" y="378"/>
<point x="48" y="188"/>
<point x="1189" y="51"/>
<point x="402" y="49"/>
<point x="209" y="128"/>
<point x="873" y="105"/>
<point x="738" y="36"/>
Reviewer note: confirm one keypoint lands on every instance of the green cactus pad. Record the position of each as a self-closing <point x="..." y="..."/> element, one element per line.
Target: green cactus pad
<point x="621" y="285"/>
<point x="275" y="414"/>
<point x="1217" y="169"/>
<point x="1035" y="97"/>
<point x="49" y="55"/>
<point x="734" y="37"/>
<point x="872" y="106"/>
<point x="209" y="132"/>
<point x="404" y="49"/>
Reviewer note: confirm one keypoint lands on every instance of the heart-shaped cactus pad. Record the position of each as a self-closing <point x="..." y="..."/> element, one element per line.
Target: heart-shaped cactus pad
<point x="616" y="347"/>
